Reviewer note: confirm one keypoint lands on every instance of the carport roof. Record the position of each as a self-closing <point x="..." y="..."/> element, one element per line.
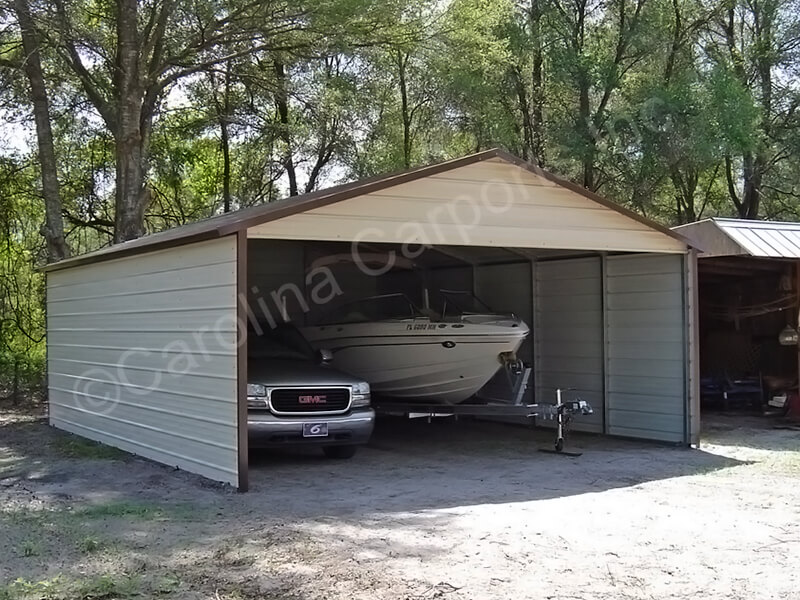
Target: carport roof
<point x="735" y="237"/>
<point x="240" y="220"/>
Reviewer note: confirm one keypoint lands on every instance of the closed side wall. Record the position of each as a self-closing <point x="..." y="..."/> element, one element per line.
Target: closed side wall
<point x="568" y="335"/>
<point x="647" y="345"/>
<point x="142" y="355"/>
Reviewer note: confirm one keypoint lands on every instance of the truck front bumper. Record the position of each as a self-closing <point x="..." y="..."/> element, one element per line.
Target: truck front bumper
<point x="265" y="430"/>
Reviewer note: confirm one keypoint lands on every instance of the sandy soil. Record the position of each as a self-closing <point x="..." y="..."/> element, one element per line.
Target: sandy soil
<point x="447" y="510"/>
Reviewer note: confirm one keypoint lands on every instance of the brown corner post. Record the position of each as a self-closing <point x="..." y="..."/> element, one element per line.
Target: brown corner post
<point x="241" y="358"/>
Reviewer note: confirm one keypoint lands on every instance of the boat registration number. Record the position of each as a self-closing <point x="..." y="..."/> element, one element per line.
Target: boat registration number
<point x="315" y="429"/>
<point x="421" y="327"/>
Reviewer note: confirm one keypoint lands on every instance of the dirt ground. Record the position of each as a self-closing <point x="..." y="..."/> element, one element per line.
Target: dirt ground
<point x="447" y="510"/>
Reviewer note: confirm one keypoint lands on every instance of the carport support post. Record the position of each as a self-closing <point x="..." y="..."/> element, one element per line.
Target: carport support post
<point x="604" y="334"/>
<point x="692" y="329"/>
<point x="241" y="358"/>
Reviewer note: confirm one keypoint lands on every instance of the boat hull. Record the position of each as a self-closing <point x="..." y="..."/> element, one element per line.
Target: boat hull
<point x="420" y="361"/>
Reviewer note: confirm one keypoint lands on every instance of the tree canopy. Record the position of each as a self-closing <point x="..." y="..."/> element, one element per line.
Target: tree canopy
<point x="123" y="117"/>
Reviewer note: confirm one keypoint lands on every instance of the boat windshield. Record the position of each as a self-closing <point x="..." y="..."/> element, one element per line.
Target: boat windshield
<point x="456" y="302"/>
<point x="375" y="308"/>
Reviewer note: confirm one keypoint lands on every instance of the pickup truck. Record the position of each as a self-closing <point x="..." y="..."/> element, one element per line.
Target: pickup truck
<point x="294" y="398"/>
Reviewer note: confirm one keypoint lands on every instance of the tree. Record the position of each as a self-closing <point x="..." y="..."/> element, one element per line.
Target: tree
<point x="31" y="63"/>
<point x="128" y="61"/>
<point x="756" y="43"/>
<point x="596" y="45"/>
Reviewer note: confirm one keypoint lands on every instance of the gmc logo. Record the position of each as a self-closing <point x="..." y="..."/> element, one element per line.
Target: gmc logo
<point x="312" y="399"/>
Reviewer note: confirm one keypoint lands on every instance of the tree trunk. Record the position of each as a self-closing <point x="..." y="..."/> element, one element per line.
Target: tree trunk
<point x="53" y="229"/>
<point x="224" y="117"/>
<point x="537" y="85"/>
<point x="402" y="63"/>
<point x="590" y="149"/>
<point x="685" y="192"/>
<point x="753" y="169"/>
<point x="132" y="197"/>
<point x="282" y="103"/>
<point x="527" y="118"/>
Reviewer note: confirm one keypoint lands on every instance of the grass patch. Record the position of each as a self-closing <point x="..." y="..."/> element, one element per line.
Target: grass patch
<point x="73" y="446"/>
<point x="29" y="548"/>
<point x="142" y="511"/>
<point x="88" y="544"/>
<point x="107" y="586"/>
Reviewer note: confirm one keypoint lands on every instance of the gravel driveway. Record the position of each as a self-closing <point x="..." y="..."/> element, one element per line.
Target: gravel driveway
<point x="462" y="510"/>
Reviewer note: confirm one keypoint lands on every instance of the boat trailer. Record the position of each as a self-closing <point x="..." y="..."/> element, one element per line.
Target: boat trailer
<point x="563" y="411"/>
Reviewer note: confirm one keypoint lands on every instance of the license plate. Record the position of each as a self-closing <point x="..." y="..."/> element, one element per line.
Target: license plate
<point x="315" y="429"/>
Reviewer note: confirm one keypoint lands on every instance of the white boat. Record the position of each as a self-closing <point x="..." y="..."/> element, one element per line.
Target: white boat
<point x="417" y="354"/>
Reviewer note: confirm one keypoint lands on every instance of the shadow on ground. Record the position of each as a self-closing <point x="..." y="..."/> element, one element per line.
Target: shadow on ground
<point x="415" y="465"/>
<point x="73" y="509"/>
<point x="62" y="499"/>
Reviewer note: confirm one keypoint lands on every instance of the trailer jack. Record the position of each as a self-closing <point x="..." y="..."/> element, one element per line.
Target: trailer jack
<point x="564" y="412"/>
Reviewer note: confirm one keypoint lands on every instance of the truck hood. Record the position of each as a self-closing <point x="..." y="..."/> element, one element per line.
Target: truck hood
<point x="297" y="373"/>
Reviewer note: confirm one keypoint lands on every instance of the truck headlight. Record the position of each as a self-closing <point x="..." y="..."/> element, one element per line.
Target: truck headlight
<point x="361" y="394"/>
<point x="256" y="389"/>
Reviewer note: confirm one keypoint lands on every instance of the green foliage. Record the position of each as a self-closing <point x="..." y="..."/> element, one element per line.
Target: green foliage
<point x="678" y="110"/>
<point x="22" y="350"/>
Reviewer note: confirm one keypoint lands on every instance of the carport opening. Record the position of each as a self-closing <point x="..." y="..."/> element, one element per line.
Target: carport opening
<point x="748" y="312"/>
<point x="325" y="283"/>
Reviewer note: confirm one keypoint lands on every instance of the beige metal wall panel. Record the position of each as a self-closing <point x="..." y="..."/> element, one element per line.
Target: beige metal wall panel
<point x="646" y="347"/>
<point x="142" y="355"/>
<point x="568" y="335"/>
<point x="492" y="203"/>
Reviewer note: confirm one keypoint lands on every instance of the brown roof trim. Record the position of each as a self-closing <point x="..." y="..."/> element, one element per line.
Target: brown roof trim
<point x="233" y="222"/>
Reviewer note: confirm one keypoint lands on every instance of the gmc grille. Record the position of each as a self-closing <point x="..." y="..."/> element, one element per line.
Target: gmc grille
<point x="310" y="400"/>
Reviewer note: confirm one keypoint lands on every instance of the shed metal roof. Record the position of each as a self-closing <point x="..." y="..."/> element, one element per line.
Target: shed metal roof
<point x="731" y="237"/>
<point x="248" y="218"/>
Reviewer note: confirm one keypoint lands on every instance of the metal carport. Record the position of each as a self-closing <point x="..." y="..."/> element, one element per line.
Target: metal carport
<point x="146" y="338"/>
<point x="749" y="275"/>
